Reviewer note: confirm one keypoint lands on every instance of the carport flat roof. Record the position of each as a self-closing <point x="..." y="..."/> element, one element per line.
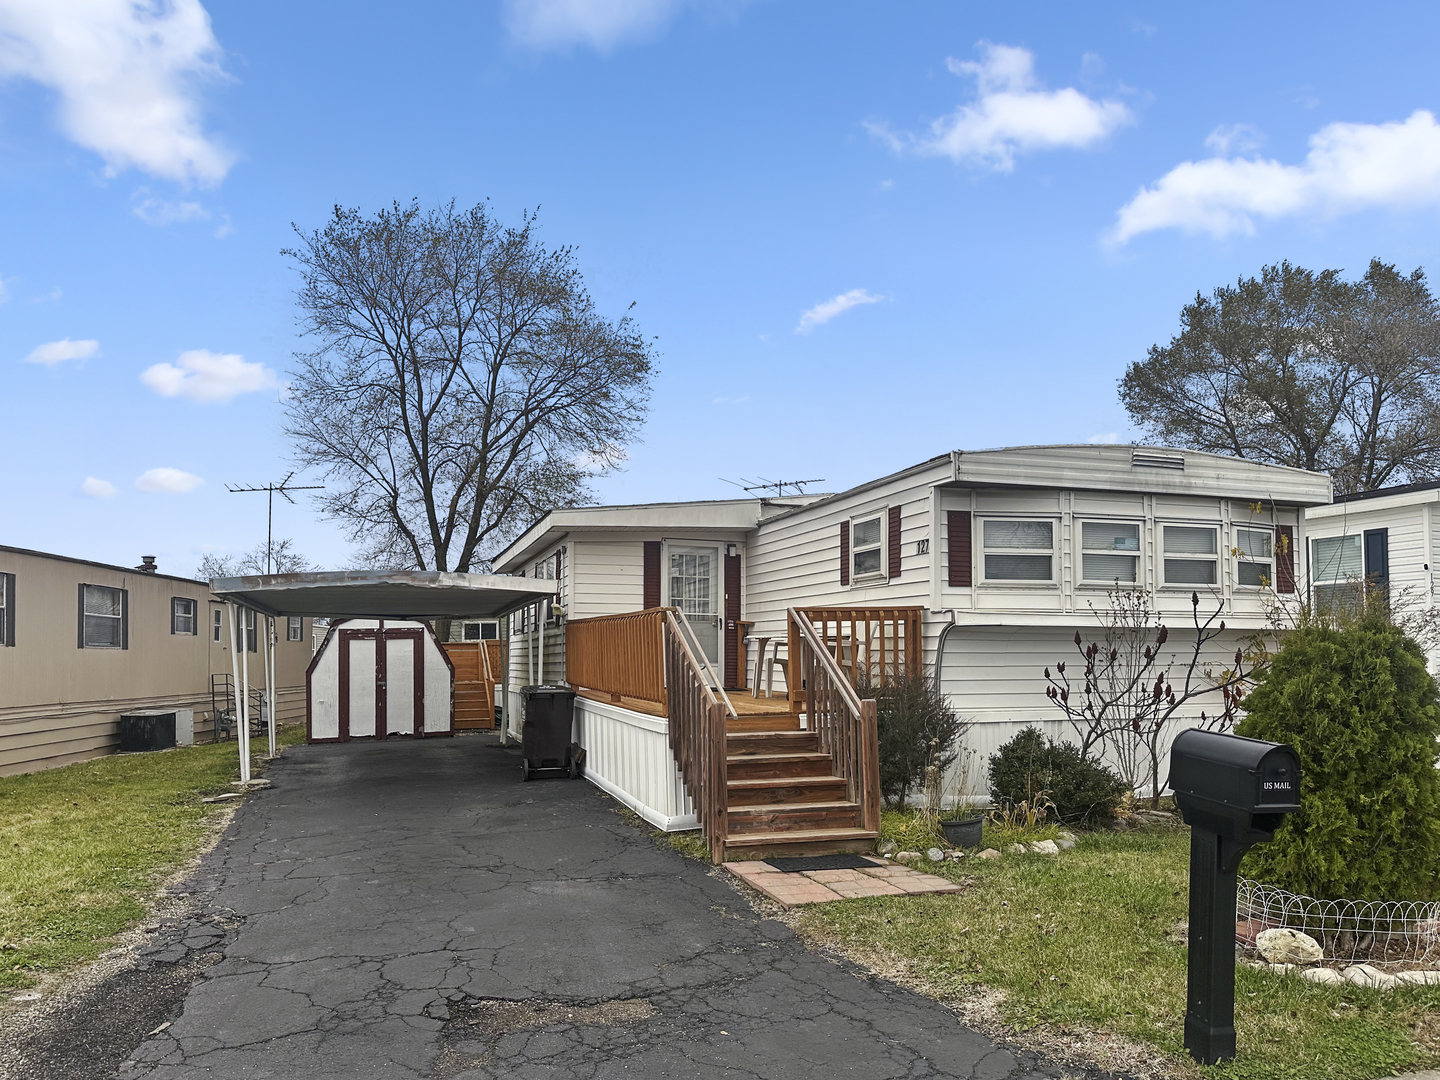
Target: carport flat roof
<point x="384" y="594"/>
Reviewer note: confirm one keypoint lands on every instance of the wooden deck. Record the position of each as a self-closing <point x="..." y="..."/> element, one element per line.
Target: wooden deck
<point x="745" y="705"/>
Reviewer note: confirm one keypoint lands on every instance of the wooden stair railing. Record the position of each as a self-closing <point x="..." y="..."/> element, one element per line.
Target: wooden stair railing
<point x="846" y="725"/>
<point x="873" y="644"/>
<point x="697" y="733"/>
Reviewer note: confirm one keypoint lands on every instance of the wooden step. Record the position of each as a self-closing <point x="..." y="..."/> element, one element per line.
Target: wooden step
<point x="771" y="742"/>
<point x="811" y="842"/>
<point x="765" y="722"/>
<point x="770" y="766"/>
<point x="791" y="789"/>
<point x="786" y="818"/>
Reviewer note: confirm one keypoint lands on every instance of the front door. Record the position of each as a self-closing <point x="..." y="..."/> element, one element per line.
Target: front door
<point x="694" y="581"/>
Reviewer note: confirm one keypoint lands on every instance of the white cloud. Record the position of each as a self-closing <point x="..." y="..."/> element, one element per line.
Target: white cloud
<point x="205" y="376"/>
<point x="826" y="310"/>
<point x="4" y="291"/>
<point x="170" y="481"/>
<point x="1104" y="440"/>
<point x="157" y="211"/>
<point x="1350" y="167"/>
<point x="1234" y="138"/>
<point x="97" y="489"/>
<point x="1012" y="114"/>
<point x="57" y="352"/>
<point x="127" y="75"/>
<point x="600" y="24"/>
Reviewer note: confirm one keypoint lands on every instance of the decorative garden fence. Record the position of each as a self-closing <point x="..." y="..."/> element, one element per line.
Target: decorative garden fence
<point x="1351" y="931"/>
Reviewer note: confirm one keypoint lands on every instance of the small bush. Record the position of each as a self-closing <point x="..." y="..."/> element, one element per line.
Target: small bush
<point x="1353" y="698"/>
<point x="1084" y="792"/>
<point x="917" y="726"/>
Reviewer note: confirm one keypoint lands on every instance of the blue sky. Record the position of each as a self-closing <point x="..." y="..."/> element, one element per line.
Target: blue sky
<point x="863" y="234"/>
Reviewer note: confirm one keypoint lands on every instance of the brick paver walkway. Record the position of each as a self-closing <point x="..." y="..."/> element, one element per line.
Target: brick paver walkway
<point x="881" y="878"/>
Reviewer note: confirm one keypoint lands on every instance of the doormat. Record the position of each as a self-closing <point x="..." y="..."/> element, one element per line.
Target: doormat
<point x="800" y="864"/>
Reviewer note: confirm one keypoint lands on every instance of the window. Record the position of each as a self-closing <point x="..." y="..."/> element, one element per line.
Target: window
<point x="7" y="610"/>
<point x="294" y="627"/>
<point x="252" y="639"/>
<point x="481" y="631"/>
<point x="866" y="547"/>
<point x="1337" y="565"/>
<point x="1191" y="555"/>
<point x="1255" y="550"/>
<point x="217" y="623"/>
<point x="182" y="615"/>
<point x="1019" y="550"/>
<point x="1103" y="555"/>
<point x="103" y="614"/>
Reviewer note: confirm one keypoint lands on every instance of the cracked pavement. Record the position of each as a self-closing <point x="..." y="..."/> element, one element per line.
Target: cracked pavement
<point x="378" y="910"/>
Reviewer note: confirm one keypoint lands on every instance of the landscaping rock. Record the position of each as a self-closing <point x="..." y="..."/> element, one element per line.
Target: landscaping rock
<point x="907" y="856"/>
<point x="1366" y="975"/>
<point x="1418" y="978"/>
<point x="1016" y="849"/>
<point x="1044" y="847"/>
<point x="1322" y="975"/>
<point x="1064" y="844"/>
<point x="1282" y="969"/>
<point x="888" y="847"/>
<point x="1283" y="946"/>
<point x="1066" y="834"/>
<point x="956" y="855"/>
<point x="934" y="854"/>
<point x="989" y="853"/>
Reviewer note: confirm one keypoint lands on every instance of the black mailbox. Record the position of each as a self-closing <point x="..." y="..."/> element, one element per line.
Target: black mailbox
<point x="1233" y="793"/>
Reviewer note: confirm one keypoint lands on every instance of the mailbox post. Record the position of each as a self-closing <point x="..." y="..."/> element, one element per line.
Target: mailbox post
<point x="1233" y="793"/>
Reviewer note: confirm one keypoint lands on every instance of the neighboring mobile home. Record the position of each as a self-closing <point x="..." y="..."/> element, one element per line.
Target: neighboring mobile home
<point x="1387" y="537"/>
<point x="82" y="643"/>
<point x="1002" y="555"/>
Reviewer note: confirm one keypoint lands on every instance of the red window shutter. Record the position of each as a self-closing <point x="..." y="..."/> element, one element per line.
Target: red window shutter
<point x="957" y="530"/>
<point x="844" y="553"/>
<point x="1285" y="558"/>
<point x="733" y="644"/>
<point x="651" y="585"/>
<point x="894" y="538"/>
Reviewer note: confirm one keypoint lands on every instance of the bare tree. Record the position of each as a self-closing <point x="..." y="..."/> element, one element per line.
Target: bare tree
<point x="284" y="559"/>
<point x="1303" y="369"/>
<point x="1127" y="698"/>
<point x="462" y="384"/>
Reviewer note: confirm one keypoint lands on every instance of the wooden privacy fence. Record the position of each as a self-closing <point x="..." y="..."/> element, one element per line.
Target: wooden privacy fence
<point x="697" y="735"/>
<point x="619" y="655"/>
<point x="867" y="643"/>
<point x="846" y="725"/>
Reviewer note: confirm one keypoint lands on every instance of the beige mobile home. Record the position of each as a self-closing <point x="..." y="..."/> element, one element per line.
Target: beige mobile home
<point x="83" y="642"/>
<point x="999" y="556"/>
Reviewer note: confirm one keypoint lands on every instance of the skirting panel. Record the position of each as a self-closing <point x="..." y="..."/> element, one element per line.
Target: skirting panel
<point x="627" y="755"/>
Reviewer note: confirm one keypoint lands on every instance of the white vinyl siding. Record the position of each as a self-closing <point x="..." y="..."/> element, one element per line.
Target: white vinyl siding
<point x="1016" y="550"/>
<point x="1106" y="548"/>
<point x="1191" y="555"/>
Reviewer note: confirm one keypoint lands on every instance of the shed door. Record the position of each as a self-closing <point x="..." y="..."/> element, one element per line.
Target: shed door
<point x="382" y="683"/>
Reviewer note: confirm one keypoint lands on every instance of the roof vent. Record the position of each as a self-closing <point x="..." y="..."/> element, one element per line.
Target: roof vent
<point x="147" y="564"/>
<point x="1156" y="459"/>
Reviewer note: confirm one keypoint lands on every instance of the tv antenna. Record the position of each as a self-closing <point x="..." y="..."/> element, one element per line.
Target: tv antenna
<point x="284" y="488"/>
<point x="777" y="486"/>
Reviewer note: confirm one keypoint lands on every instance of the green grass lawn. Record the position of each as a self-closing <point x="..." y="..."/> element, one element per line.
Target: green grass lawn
<point x="1086" y="942"/>
<point x="84" y="847"/>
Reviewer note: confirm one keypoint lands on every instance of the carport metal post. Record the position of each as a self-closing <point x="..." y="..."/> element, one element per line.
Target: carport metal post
<point x="505" y="684"/>
<point x="242" y="693"/>
<point x="270" y="680"/>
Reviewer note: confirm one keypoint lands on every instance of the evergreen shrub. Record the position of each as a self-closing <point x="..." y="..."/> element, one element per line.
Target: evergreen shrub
<point x="1354" y="699"/>
<point x="1084" y="792"/>
<point x="916" y="724"/>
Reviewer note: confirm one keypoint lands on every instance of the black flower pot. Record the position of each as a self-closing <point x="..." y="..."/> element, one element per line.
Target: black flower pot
<point x="963" y="832"/>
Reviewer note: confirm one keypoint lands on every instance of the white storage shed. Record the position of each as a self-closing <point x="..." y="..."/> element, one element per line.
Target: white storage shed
<point x="376" y="678"/>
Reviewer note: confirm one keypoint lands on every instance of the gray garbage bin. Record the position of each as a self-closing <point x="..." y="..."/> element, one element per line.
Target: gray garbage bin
<point x="545" y="732"/>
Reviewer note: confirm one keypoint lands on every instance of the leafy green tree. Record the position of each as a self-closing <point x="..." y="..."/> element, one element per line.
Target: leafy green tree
<point x="1353" y="697"/>
<point x="1303" y="369"/>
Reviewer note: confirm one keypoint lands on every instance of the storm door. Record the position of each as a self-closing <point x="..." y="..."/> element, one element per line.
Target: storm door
<point x="694" y="585"/>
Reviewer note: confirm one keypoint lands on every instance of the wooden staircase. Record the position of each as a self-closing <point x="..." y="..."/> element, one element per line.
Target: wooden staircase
<point x="476" y="666"/>
<point x="782" y="797"/>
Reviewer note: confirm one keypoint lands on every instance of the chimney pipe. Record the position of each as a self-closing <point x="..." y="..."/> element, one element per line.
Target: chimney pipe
<point x="147" y="564"/>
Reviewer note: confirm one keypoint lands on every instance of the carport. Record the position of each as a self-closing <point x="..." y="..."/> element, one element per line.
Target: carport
<point x="360" y="594"/>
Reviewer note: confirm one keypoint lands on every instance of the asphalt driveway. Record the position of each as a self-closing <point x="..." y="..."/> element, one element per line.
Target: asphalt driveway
<point x="411" y="909"/>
